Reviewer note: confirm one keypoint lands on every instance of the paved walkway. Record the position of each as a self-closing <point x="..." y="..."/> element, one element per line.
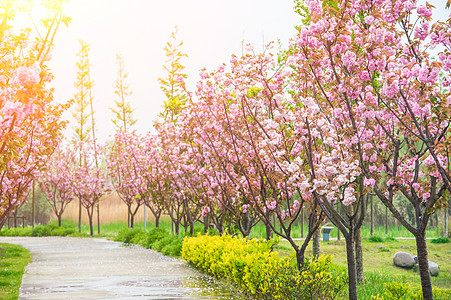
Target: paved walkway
<point x="84" y="268"/>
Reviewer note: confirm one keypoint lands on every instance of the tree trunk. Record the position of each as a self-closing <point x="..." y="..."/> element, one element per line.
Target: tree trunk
<point x="351" y="266"/>
<point x="316" y="247"/>
<point x="268" y="231"/>
<point x="157" y="221"/>
<point x="98" y="218"/>
<point x="445" y="223"/>
<point x="79" y="215"/>
<point x="59" y="220"/>
<point x="177" y="227"/>
<point x="191" y="228"/>
<point x="206" y="224"/>
<point x="359" y="256"/>
<point x="302" y="223"/>
<point x="90" y="212"/>
<point x="128" y="218"/>
<point x="132" y="220"/>
<point x="372" y="216"/>
<point x="386" y="220"/>
<point x="423" y="263"/>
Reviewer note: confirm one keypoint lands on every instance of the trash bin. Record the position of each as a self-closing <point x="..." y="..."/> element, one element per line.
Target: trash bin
<point x="326" y="232"/>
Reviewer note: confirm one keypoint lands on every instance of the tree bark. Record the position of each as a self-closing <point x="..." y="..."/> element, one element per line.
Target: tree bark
<point x="316" y="246"/>
<point x="302" y="223"/>
<point x="423" y="263"/>
<point x="268" y="231"/>
<point x="386" y="220"/>
<point x="351" y="266"/>
<point x="359" y="256"/>
<point x="157" y="221"/>
<point x="79" y="215"/>
<point x="372" y="216"/>
<point x="445" y="223"/>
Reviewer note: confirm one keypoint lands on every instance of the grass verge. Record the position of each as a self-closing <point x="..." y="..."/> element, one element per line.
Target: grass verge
<point x="380" y="272"/>
<point x="13" y="259"/>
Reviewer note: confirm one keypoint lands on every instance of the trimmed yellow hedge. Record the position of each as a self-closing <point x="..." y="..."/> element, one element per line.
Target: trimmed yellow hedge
<point x="258" y="271"/>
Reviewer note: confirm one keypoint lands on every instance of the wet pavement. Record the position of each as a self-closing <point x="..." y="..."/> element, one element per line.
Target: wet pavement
<point x="84" y="268"/>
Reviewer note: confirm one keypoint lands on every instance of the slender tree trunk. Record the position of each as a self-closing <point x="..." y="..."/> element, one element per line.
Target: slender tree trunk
<point x="191" y="228"/>
<point x="359" y="256"/>
<point x="206" y="224"/>
<point x="33" y="208"/>
<point x="302" y="223"/>
<point x="316" y="246"/>
<point x="436" y="224"/>
<point x="98" y="218"/>
<point x="128" y="218"/>
<point x="445" y="223"/>
<point x="423" y="263"/>
<point x="79" y="215"/>
<point x="59" y="220"/>
<point x="157" y="220"/>
<point x="372" y="216"/>
<point x="177" y="227"/>
<point x="90" y="212"/>
<point x="386" y="220"/>
<point x="351" y="266"/>
<point x="268" y="231"/>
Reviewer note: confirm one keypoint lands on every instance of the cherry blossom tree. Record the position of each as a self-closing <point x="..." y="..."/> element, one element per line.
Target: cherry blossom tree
<point x="121" y="166"/>
<point x="55" y="181"/>
<point x="90" y="179"/>
<point x="29" y="123"/>
<point x="368" y="68"/>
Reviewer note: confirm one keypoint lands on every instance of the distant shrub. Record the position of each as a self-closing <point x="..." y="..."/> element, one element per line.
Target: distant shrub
<point x="58" y="232"/>
<point x="41" y="230"/>
<point x="390" y="239"/>
<point x="155" y="238"/>
<point x="440" y="240"/>
<point x="375" y="239"/>
<point x="126" y="235"/>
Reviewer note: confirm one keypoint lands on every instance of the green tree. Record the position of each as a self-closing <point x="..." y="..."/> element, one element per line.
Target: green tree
<point x="83" y="104"/>
<point x="82" y="97"/>
<point x="173" y="83"/>
<point x="123" y="112"/>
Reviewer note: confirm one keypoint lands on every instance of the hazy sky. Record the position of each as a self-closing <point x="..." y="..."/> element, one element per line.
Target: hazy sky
<point x="138" y="29"/>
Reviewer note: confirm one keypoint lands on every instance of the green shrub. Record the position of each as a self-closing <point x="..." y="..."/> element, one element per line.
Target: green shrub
<point x="41" y="230"/>
<point x="169" y="245"/>
<point x="126" y="235"/>
<point x="256" y="270"/>
<point x="58" y="232"/>
<point x="375" y="239"/>
<point x="390" y="239"/>
<point x="440" y="240"/>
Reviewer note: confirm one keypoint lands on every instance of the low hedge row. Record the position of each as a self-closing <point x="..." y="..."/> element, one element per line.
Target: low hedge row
<point x="154" y="238"/>
<point x="41" y="230"/>
<point x="259" y="272"/>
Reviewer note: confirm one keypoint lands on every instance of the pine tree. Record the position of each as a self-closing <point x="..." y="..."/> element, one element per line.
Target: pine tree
<point x="172" y="85"/>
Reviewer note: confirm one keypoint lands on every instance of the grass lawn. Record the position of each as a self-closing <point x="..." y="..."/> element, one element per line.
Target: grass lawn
<point x="13" y="259"/>
<point x="378" y="264"/>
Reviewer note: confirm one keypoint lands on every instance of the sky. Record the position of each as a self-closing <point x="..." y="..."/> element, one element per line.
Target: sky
<point x="212" y="30"/>
<point x="138" y="29"/>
